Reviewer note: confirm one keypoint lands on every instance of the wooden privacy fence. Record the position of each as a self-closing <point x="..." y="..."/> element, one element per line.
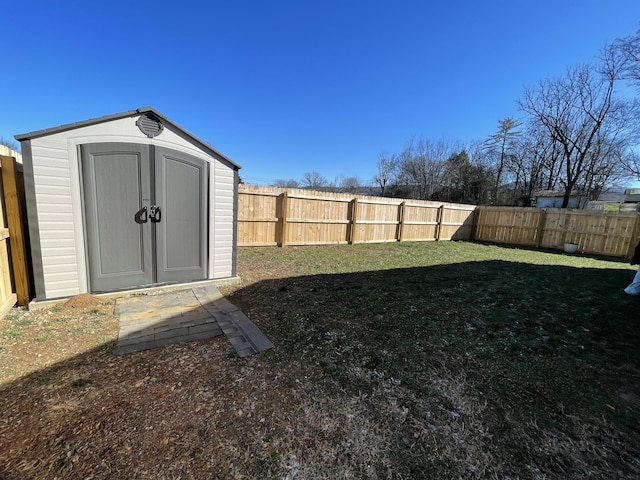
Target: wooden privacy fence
<point x="14" y="270"/>
<point x="270" y="216"/>
<point x="601" y="233"/>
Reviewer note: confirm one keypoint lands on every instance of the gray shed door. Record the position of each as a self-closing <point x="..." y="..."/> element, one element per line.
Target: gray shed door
<point x="145" y="212"/>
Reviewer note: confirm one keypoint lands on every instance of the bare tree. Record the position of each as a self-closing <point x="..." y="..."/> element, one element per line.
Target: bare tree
<point x="534" y="164"/>
<point x="10" y="144"/>
<point x="313" y="181"/>
<point x="387" y="171"/>
<point x="631" y="161"/>
<point x="286" y="183"/>
<point x="573" y="110"/>
<point x="423" y="166"/>
<point x="348" y="184"/>
<point x="627" y="52"/>
<point x="526" y="168"/>
<point x="538" y="161"/>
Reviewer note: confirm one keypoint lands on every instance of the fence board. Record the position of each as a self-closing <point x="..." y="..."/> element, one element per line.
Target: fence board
<point x="600" y="233"/>
<point x="14" y="218"/>
<point x="7" y="297"/>
<point x="11" y="232"/>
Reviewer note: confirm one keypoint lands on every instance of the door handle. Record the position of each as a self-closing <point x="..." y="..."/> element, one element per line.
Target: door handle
<point x="155" y="215"/>
<point x="141" y="215"/>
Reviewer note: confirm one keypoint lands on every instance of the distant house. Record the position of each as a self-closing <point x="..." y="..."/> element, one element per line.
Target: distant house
<point x="629" y="201"/>
<point x="632" y="195"/>
<point x="554" y="199"/>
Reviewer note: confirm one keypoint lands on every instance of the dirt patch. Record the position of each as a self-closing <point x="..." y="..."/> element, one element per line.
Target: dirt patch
<point x="31" y="340"/>
<point x="83" y="301"/>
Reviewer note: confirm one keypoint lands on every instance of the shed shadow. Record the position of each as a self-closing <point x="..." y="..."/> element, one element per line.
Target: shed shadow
<point x="484" y="297"/>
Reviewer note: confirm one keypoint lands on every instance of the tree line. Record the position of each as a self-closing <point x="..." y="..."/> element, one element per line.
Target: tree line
<point x="578" y="134"/>
<point x="316" y="181"/>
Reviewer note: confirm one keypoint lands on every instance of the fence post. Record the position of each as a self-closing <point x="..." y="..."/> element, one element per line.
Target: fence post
<point x="7" y="296"/>
<point x="542" y="221"/>
<point x="284" y="206"/>
<point x="474" y="225"/>
<point x="402" y="213"/>
<point x="439" y="221"/>
<point x="635" y="233"/>
<point x="353" y="221"/>
<point x="17" y="240"/>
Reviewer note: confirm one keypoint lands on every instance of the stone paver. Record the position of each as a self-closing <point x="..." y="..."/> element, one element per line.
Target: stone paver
<point x="151" y="321"/>
<point x="243" y="334"/>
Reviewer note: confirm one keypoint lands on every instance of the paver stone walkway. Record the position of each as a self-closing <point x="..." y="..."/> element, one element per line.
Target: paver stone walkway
<point x="153" y="320"/>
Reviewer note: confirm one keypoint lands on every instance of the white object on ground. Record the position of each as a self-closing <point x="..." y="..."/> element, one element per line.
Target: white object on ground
<point x="634" y="287"/>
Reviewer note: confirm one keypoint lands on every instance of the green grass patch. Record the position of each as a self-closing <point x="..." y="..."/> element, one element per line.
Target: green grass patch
<point x="518" y="343"/>
<point x="86" y="329"/>
<point x="106" y="345"/>
<point x="15" y="324"/>
<point x="80" y="382"/>
<point x="22" y="323"/>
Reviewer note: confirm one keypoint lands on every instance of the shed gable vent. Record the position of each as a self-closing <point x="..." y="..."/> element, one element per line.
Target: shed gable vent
<point x="150" y="125"/>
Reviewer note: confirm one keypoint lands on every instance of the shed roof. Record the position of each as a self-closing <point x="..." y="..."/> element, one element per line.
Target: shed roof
<point x="131" y="113"/>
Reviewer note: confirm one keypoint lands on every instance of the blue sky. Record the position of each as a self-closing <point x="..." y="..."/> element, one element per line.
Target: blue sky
<point x="285" y="88"/>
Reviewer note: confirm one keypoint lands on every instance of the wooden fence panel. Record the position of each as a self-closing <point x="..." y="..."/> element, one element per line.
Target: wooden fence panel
<point x="14" y="269"/>
<point x="600" y="233"/>
<point x="420" y="222"/>
<point x="456" y="222"/>
<point x="515" y="226"/>
<point x="259" y="219"/>
<point x="7" y="297"/>
<point x="605" y="233"/>
<point x="12" y="185"/>
<point x="377" y="221"/>
<point x="316" y="221"/>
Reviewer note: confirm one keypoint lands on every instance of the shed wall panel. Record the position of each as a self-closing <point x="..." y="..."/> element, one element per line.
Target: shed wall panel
<point x="222" y="227"/>
<point x="56" y="223"/>
<point x="62" y="289"/>
<point x="56" y="187"/>
<point x="62" y="267"/>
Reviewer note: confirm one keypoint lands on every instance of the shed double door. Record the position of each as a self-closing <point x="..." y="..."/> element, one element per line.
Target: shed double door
<point x="145" y="211"/>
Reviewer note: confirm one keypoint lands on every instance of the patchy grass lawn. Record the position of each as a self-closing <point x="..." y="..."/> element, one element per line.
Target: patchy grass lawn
<point x="413" y="360"/>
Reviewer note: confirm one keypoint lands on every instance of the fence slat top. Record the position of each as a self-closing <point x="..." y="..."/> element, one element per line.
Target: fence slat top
<point x="319" y="199"/>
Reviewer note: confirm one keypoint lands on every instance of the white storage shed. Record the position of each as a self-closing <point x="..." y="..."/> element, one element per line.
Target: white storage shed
<point x="124" y="201"/>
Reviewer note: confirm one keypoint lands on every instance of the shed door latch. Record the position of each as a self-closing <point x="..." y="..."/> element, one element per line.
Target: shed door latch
<point x="141" y="215"/>
<point x="155" y="215"/>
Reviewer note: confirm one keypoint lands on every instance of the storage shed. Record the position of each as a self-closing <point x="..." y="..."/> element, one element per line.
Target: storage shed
<point x="127" y="200"/>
